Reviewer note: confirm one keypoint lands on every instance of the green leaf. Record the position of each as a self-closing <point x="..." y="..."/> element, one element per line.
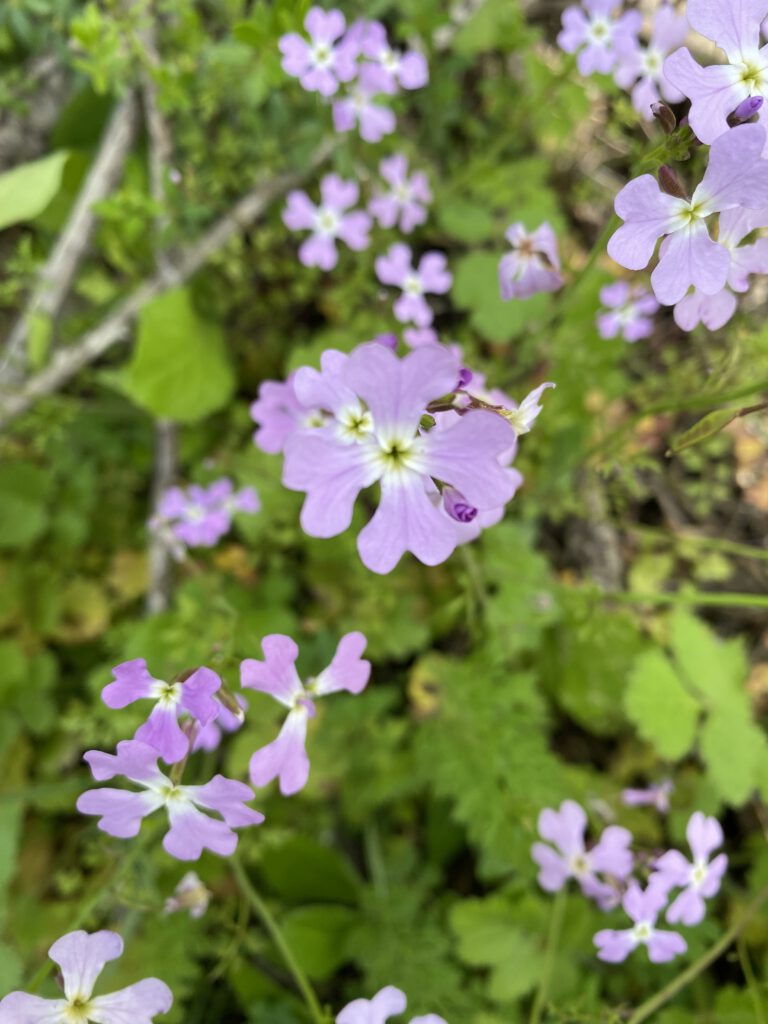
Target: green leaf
<point x="466" y="221"/>
<point x="660" y="707"/>
<point x="734" y="750"/>
<point x="318" y="936"/>
<point x="24" y="509"/>
<point x="302" y="869"/>
<point x="180" y="369"/>
<point x="715" y="668"/>
<point x="476" y="288"/>
<point x="705" y="428"/>
<point x="27" y="190"/>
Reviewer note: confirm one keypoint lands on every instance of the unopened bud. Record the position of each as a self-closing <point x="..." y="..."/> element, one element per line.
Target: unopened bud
<point x="387" y="340"/>
<point x="745" y="111"/>
<point x="670" y="183"/>
<point x="457" y="506"/>
<point x="231" y="703"/>
<point x="465" y="376"/>
<point x="664" y="116"/>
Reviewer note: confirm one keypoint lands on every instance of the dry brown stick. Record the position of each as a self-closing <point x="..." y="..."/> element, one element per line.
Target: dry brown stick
<point x="116" y="327"/>
<point x="55" y="278"/>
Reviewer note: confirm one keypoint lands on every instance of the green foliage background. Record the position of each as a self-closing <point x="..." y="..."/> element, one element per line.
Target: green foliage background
<point x="507" y="680"/>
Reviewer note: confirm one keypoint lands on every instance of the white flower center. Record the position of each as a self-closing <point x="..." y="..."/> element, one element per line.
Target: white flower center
<point x="321" y="56"/>
<point x="326" y="221"/>
<point x="699" y="873"/>
<point x="402" y="193"/>
<point x="389" y="60"/>
<point x="353" y="423"/>
<point x="412" y="285"/>
<point x="599" y="32"/>
<point x="195" y="513"/>
<point x="579" y="865"/>
<point x="754" y="74"/>
<point x="314" y="419"/>
<point x="167" y="695"/>
<point x="396" y="455"/>
<point x="652" y="62"/>
<point x="642" y="932"/>
<point x="78" y="1010"/>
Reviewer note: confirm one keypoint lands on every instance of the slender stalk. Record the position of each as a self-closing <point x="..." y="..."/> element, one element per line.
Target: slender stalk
<point x="275" y="933"/>
<point x="751" y="980"/>
<point x="650" y="1006"/>
<point x="730" y="547"/>
<point x="553" y="941"/>
<point x="693" y="599"/>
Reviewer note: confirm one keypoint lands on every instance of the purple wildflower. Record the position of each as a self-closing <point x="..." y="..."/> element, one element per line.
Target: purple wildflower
<point x="386" y="445"/>
<point x="629" y="312"/>
<point x="358" y="109"/>
<point x="81" y="957"/>
<point x="641" y="67"/>
<point x="132" y="682"/>
<point x="643" y="908"/>
<point x="653" y="796"/>
<point x="278" y="413"/>
<point x="200" y="516"/>
<point x="713" y="311"/>
<point x="391" y="69"/>
<point x="286" y="758"/>
<point x="717" y="90"/>
<point x="533" y="266"/>
<point x="736" y="177"/>
<point x="210" y="736"/>
<point x="321" y="63"/>
<point x="388" y="1002"/>
<point x="190" y="895"/>
<point x="568" y="857"/>
<point x="191" y="831"/>
<point x="406" y="199"/>
<point x="598" y="37"/>
<point x="700" y="879"/>
<point x="328" y="222"/>
<point x="415" y="337"/>
<point x="432" y="277"/>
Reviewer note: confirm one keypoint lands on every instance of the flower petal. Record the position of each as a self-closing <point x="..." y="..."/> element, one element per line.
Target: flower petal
<point x="690" y="257"/>
<point x="276" y="674"/>
<point x="81" y="958"/>
<point x="348" y="669"/>
<point x="136" y="1004"/>
<point x="734" y="25"/>
<point x="285" y="758"/>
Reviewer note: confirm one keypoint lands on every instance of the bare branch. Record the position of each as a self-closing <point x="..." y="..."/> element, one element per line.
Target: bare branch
<point x="116" y="327"/>
<point x="55" y="278"/>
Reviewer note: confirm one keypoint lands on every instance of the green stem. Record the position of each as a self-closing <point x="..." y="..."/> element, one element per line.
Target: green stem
<point x="553" y="941"/>
<point x="730" y="547"/>
<point x="650" y="1006"/>
<point x="692" y="599"/>
<point x="751" y="980"/>
<point x="275" y="933"/>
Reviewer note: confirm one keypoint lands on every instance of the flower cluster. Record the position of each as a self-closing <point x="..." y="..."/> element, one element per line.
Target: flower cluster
<point x="81" y="957"/>
<point x="597" y="36"/>
<point x="422" y="427"/>
<point x="388" y="1002"/>
<point x="200" y="516"/>
<point x="360" y="58"/>
<point x="605" y="870"/>
<point x="191" y="713"/>
<point x="628" y="313"/>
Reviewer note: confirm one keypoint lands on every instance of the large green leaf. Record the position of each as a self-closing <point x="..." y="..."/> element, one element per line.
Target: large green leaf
<point x="317" y="935"/>
<point x="663" y="711"/>
<point x="27" y="190"/>
<point x="180" y="369"/>
<point x="24" y="509"/>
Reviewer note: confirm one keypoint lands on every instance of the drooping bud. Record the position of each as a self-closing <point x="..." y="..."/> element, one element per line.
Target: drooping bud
<point x="457" y="506"/>
<point x="745" y="111"/>
<point x="231" y="703"/>
<point x="465" y="376"/>
<point x="387" y="340"/>
<point x="670" y="183"/>
<point x="663" y="114"/>
<point x="190" y="894"/>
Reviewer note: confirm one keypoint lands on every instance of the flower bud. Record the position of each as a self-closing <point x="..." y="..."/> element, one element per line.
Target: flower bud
<point x="457" y="506"/>
<point x="465" y="376"/>
<point x="664" y="116"/>
<point x="387" y="340"/>
<point x="745" y="111"/>
<point x="670" y="183"/>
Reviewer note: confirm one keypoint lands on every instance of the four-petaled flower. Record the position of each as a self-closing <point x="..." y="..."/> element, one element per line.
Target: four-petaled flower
<point x="629" y="312"/>
<point x="432" y="277"/>
<point x="643" y="908"/>
<point x="568" y="857"/>
<point x="278" y="413"/>
<point x="533" y="266"/>
<point x="700" y="878"/>
<point x="388" y="1002"/>
<point x="358" y="109"/>
<point x="191" y="831"/>
<point x="641" y="67"/>
<point x="286" y="758"/>
<point x="716" y="91"/>
<point x="406" y="199"/>
<point x="391" y="69"/>
<point x="200" y="516"/>
<point x="81" y="957"/>
<point x="385" y="444"/>
<point x="736" y="176"/>
<point x="653" y="796"/>
<point x="194" y="695"/>
<point x="323" y="62"/>
<point x="599" y="37"/>
<point x="328" y="222"/>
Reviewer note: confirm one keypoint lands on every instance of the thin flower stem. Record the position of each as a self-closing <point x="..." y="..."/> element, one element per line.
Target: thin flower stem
<point x="692" y="599"/>
<point x="752" y="983"/>
<point x="553" y="941"/>
<point x="650" y="1006"/>
<point x="682" y="537"/>
<point x="275" y="933"/>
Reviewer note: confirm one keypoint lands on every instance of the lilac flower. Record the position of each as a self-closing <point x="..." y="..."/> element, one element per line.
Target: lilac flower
<point x="278" y="412"/>
<point x="598" y="37"/>
<point x="533" y="266"/>
<point x="200" y="516"/>
<point x="415" y="337"/>
<point x="391" y="69"/>
<point x="191" y="895"/>
<point x="643" y="908"/>
<point x="386" y="445"/>
<point x="286" y="758"/>
<point x="358" y="109"/>
<point x="736" y="177"/>
<point x="641" y="67"/>
<point x="191" y="831"/>
<point x="568" y="857"/>
<point x="522" y="417"/>
<point x="388" y="1002"/>
<point x="210" y="736"/>
<point x="700" y="878"/>
<point x="629" y="313"/>
<point x="405" y="202"/>
<point x="323" y="62"/>
<point x="81" y="958"/>
<point x="717" y="90"/>
<point x="713" y="311"/>
<point x="654" y="796"/>
<point x="432" y="277"/>
<point x="328" y="222"/>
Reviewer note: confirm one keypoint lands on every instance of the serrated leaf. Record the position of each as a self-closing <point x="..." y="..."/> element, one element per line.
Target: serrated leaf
<point x="180" y="369"/>
<point x="734" y="750"/>
<point x="715" y="668"/>
<point x="661" y="709"/>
